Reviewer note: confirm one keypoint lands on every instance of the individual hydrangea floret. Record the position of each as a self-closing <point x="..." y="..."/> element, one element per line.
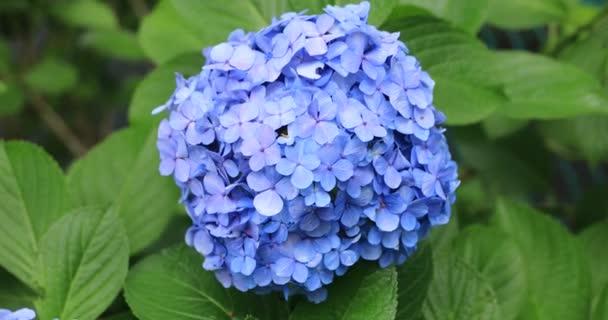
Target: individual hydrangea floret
<point x="21" y="314"/>
<point x="305" y="147"/>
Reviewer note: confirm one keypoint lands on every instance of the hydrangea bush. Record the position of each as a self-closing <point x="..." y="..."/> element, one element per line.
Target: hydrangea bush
<point x="304" y="147"/>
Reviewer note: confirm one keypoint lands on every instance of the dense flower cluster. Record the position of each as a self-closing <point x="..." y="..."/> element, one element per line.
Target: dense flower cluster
<point x="21" y="314"/>
<point x="305" y="147"/>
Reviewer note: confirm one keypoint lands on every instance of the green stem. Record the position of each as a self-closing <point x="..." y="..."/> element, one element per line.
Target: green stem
<point x="565" y="42"/>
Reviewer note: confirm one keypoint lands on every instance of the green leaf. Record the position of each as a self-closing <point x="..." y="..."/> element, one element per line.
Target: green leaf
<point x="590" y="50"/>
<point x="365" y="292"/>
<point x="497" y="258"/>
<point x="32" y="197"/>
<point x="542" y="88"/>
<point x="524" y="14"/>
<point x="495" y="164"/>
<point x="557" y="275"/>
<point x="582" y="137"/>
<point x="452" y="58"/>
<point x="83" y="262"/>
<point x="11" y="100"/>
<point x="120" y="44"/>
<point x="164" y="25"/>
<point x="593" y="242"/>
<point x="464" y="103"/>
<point x="156" y="88"/>
<point x="13" y="293"/>
<point x="469" y="15"/>
<point x="173" y="285"/>
<point x="86" y="13"/>
<point x="600" y="310"/>
<point x="52" y="76"/>
<point x="122" y="171"/>
<point x="458" y="291"/>
<point x="497" y="126"/>
<point x="414" y="278"/>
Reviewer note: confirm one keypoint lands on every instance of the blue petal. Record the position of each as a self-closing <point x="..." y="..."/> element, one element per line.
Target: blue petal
<point x="268" y="203"/>
<point x="387" y="221"/>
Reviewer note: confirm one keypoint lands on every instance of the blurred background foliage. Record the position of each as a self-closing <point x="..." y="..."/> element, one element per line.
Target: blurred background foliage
<point x="521" y="126"/>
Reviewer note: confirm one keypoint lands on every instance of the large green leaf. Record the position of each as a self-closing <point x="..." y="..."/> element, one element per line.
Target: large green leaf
<point x="173" y="285"/>
<point x="413" y="280"/>
<point x="556" y="270"/>
<point x="122" y="171"/>
<point x="453" y="59"/>
<point x="542" y="88"/>
<point x="156" y="88"/>
<point x="32" y="197"/>
<point x="468" y="15"/>
<point x="458" y="291"/>
<point x="163" y="26"/>
<point x="593" y="242"/>
<point x="365" y="292"/>
<point x="522" y="14"/>
<point x="497" y="258"/>
<point x="52" y="76"/>
<point x="86" y="13"/>
<point x="83" y="262"/>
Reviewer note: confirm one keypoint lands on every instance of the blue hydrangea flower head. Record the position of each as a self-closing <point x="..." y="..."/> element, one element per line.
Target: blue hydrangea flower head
<point x="305" y="147"/>
<point x="21" y="314"/>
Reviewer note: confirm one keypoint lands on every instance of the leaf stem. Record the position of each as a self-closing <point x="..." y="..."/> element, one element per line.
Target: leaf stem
<point x="561" y="45"/>
<point x="57" y="125"/>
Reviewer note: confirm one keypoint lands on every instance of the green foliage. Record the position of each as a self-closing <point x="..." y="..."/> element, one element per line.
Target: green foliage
<point x="365" y="292"/>
<point x="83" y="263"/>
<point x="86" y="13"/>
<point x="458" y="291"/>
<point x="30" y="202"/>
<point x="519" y="14"/>
<point x="556" y="270"/>
<point x="114" y="43"/>
<point x="469" y="15"/>
<point x="52" y="76"/>
<point x="172" y="285"/>
<point x="593" y="243"/>
<point x="131" y="183"/>
<point x="413" y="280"/>
<point x="13" y="293"/>
<point x="498" y="260"/>
<point x="11" y="100"/>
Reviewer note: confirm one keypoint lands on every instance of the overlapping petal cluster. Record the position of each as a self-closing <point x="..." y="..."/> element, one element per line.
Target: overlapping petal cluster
<point x="21" y="314"/>
<point x="305" y="147"/>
